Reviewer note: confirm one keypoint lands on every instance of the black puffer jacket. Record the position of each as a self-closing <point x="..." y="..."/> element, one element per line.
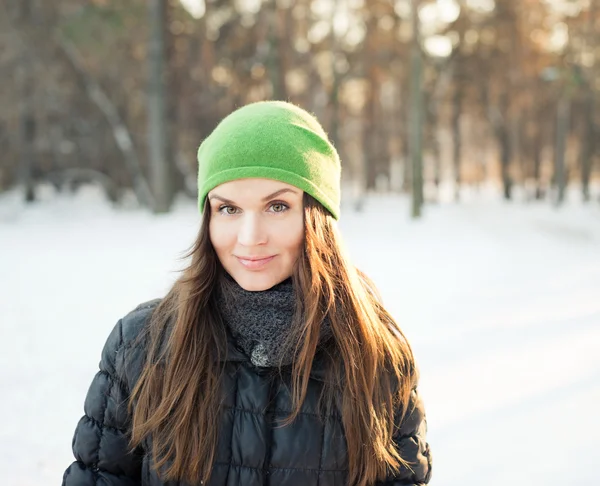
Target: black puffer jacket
<point x="251" y="451"/>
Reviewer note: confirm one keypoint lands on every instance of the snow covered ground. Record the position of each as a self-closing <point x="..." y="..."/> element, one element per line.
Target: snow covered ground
<point x="501" y="303"/>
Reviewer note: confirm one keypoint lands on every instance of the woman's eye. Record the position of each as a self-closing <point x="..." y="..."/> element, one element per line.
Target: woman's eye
<point x="227" y="210"/>
<point x="279" y="207"/>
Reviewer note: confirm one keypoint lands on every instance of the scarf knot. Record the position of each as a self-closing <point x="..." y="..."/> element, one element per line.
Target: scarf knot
<point x="263" y="323"/>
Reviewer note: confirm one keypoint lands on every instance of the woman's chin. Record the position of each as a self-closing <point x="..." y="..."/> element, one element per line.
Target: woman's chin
<point x="257" y="281"/>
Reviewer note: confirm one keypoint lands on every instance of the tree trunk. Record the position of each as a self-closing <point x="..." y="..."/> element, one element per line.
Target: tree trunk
<point x="27" y="120"/>
<point x="405" y="138"/>
<point x="416" y="119"/>
<point x="588" y="142"/>
<point x="284" y="37"/>
<point x="369" y="108"/>
<point x="160" y="176"/>
<point x="562" y="128"/>
<point x="369" y="137"/>
<point x="334" y="102"/>
<point x="176" y="80"/>
<point x="446" y="74"/>
<point x="501" y="123"/>
<point x="516" y="143"/>
<point x="27" y="127"/>
<point x="435" y="150"/>
<point x="276" y="49"/>
<point x="505" y="155"/>
<point x="456" y="138"/>
<point x="590" y="131"/>
<point x="537" y="162"/>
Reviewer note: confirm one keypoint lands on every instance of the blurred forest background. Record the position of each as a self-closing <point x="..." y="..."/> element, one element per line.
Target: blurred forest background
<point x="416" y="94"/>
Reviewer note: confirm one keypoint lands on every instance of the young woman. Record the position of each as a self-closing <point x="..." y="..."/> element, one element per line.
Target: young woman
<point x="272" y="360"/>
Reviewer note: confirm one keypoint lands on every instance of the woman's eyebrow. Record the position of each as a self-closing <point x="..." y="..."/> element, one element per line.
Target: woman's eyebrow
<point x="220" y="198"/>
<point x="279" y="192"/>
<point x="265" y="199"/>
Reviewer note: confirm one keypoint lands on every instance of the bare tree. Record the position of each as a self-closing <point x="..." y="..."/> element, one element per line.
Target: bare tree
<point x="27" y="119"/>
<point x="590" y="131"/>
<point x="119" y="129"/>
<point x="562" y="128"/>
<point x="160" y="173"/>
<point x="416" y="112"/>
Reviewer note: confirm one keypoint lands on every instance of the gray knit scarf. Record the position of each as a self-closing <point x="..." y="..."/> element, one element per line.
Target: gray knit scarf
<point x="262" y="323"/>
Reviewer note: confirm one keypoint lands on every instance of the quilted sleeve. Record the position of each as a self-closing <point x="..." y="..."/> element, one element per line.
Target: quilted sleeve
<point x="411" y="443"/>
<point x="100" y="443"/>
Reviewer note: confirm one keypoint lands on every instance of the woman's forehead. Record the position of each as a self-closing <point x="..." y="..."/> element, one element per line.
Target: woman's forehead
<point x="257" y="188"/>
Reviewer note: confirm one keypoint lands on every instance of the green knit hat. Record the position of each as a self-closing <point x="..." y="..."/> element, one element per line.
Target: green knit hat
<point x="271" y="140"/>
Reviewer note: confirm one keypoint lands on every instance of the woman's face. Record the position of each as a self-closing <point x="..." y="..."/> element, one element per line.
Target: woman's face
<point x="257" y="230"/>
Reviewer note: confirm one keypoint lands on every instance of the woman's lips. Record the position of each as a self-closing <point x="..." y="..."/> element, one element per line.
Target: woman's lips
<point x="253" y="263"/>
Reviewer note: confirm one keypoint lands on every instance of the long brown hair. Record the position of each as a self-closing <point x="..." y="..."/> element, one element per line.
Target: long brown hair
<point x="177" y="398"/>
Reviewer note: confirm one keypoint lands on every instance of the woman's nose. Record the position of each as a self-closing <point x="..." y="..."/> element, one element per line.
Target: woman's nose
<point x="252" y="231"/>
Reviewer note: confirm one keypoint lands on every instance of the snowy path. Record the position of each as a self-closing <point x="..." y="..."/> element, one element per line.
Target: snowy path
<point x="501" y="303"/>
